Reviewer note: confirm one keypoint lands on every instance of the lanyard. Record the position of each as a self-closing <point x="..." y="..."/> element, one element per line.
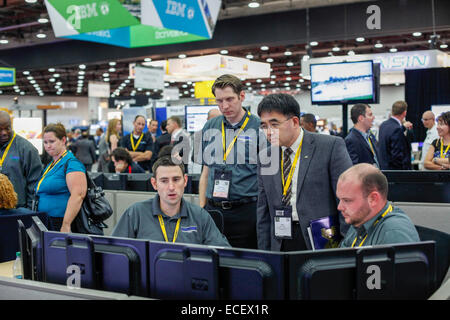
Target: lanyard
<point x="225" y="154"/>
<point x="163" y="229"/>
<point x="370" y="144"/>
<point x="291" y="172"/>
<point x="442" y="148"/>
<point x="389" y="209"/>
<point x="50" y="167"/>
<point x="132" y="141"/>
<point x="6" y="150"/>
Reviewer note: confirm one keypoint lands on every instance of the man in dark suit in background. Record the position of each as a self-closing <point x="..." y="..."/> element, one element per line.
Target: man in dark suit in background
<point x="302" y="185"/>
<point x="362" y="145"/>
<point x="394" y="146"/>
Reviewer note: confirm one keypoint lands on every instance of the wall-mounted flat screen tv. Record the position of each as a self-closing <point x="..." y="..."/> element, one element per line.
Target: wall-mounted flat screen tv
<point x="343" y="82"/>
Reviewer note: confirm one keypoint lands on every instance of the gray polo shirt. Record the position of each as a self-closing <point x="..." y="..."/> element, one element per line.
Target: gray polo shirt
<point x="395" y="227"/>
<point x="23" y="167"/>
<point x="242" y="160"/>
<point x="140" y="221"/>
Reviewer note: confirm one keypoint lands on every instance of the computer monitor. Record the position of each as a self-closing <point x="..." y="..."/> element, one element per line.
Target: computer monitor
<point x="114" y="181"/>
<point x="187" y="271"/>
<point x="139" y="182"/>
<point x="400" y="271"/>
<point x="106" y="263"/>
<point x="418" y="186"/>
<point x="30" y="243"/>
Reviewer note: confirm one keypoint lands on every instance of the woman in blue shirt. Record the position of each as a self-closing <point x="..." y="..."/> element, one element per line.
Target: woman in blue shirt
<point x="62" y="186"/>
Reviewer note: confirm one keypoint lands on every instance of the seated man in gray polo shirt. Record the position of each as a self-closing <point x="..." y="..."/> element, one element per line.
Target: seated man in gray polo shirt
<point x="168" y="217"/>
<point x="362" y="191"/>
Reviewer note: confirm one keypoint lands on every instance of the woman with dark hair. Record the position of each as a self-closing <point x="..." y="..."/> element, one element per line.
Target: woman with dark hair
<point x="123" y="163"/>
<point x="439" y="152"/>
<point x="62" y="186"/>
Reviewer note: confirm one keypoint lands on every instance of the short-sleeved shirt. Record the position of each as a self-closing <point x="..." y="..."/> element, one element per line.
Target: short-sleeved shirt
<point x="140" y="221"/>
<point x="146" y="144"/>
<point x="242" y="160"/>
<point x="53" y="192"/>
<point x="437" y="149"/>
<point x="395" y="227"/>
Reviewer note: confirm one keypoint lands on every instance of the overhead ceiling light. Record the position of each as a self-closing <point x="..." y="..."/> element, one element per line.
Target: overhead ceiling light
<point x="26" y="73"/>
<point x="82" y="66"/>
<point x="336" y="49"/>
<point x="273" y="76"/>
<point x="351" y="53"/>
<point x="393" y="50"/>
<point x="81" y="72"/>
<point x="105" y="75"/>
<point x="313" y="43"/>
<point x="41" y="35"/>
<point x="253" y="4"/>
<point x="443" y="46"/>
<point x="378" y="45"/>
<point x="417" y="34"/>
<point x="52" y="80"/>
<point x="290" y="64"/>
<point x="249" y="56"/>
<point x="30" y="78"/>
<point x="272" y="82"/>
<point x="56" y="75"/>
<point x="305" y="57"/>
<point x="224" y="51"/>
<point x="112" y="69"/>
<point x="42" y="20"/>
<point x="287" y="72"/>
<point x="112" y="63"/>
<point x="51" y="69"/>
<point x="258" y="80"/>
<point x="287" y="53"/>
<point x="269" y="60"/>
<point x="3" y="40"/>
<point x="148" y="59"/>
<point x="264" y="48"/>
<point x="182" y="56"/>
<point x="288" y="78"/>
<point x="30" y="1"/>
<point x="360" y="39"/>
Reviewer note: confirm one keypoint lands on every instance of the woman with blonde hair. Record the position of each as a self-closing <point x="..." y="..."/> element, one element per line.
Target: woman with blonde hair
<point x="62" y="187"/>
<point x="112" y="139"/>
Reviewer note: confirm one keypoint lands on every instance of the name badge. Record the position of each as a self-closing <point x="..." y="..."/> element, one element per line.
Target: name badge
<point x="283" y="223"/>
<point x="222" y="182"/>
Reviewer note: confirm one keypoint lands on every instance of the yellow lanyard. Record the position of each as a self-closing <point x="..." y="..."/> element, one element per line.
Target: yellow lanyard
<point x="442" y="148"/>
<point x="132" y="141"/>
<point x="6" y="150"/>
<point x="291" y="172"/>
<point x="225" y="154"/>
<point x="389" y="209"/>
<point x="163" y="229"/>
<point x="370" y="144"/>
<point x="50" y="167"/>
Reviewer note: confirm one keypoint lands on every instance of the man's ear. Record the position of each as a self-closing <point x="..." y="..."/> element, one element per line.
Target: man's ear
<point x="153" y="181"/>
<point x="242" y="95"/>
<point x="185" y="180"/>
<point x="373" y="198"/>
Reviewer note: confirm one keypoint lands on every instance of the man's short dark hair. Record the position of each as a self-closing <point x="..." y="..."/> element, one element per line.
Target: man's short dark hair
<point x="164" y="125"/>
<point x="166" y="161"/>
<point x="309" y="118"/>
<point x="357" y="110"/>
<point x="374" y="181"/>
<point x="279" y="102"/>
<point x="122" y="154"/>
<point x="227" y="80"/>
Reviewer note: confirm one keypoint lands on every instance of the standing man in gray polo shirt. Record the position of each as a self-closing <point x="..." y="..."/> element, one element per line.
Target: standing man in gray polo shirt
<point x="167" y="217"/>
<point x="228" y="182"/>
<point x="19" y="160"/>
<point x="362" y="191"/>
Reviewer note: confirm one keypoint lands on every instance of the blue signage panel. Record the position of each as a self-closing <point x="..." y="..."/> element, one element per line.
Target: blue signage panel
<point x="7" y="76"/>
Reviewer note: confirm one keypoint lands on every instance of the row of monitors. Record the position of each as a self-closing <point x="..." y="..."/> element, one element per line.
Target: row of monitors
<point x="136" y="181"/>
<point x="180" y="271"/>
<point x="404" y="186"/>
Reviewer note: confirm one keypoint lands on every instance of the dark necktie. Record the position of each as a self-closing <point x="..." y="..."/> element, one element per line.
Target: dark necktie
<point x="286" y="168"/>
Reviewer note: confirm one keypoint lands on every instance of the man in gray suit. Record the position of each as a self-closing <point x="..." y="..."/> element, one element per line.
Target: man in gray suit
<point x="303" y="185"/>
<point x="84" y="150"/>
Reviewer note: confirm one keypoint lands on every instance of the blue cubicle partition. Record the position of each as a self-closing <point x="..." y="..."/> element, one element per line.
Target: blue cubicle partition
<point x="186" y="271"/>
<point x="106" y="263"/>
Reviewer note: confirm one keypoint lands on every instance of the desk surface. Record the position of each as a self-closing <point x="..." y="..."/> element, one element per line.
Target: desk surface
<point x="6" y="269"/>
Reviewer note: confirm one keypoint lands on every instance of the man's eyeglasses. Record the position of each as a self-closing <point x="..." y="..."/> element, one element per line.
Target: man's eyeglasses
<point x="427" y="119"/>
<point x="273" y="125"/>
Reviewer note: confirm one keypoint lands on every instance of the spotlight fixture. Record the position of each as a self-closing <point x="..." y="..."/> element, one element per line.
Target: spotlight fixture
<point x="313" y="43"/>
<point x="182" y="56"/>
<point x="253" y="4"/>
<point x="336" y="49"/>
<point x="287" y="52"/>
<point x="393" y="50"/>
<point x="360" y="39"/>
<point x="378" y="45"/>
<point x="249" y="56"/>
<point x="224" y="51"/>
<point x="264" y="48"/>
<point x="269" y="60"/>
<point x="417" y="34"/>
<point x="351" y="53"/>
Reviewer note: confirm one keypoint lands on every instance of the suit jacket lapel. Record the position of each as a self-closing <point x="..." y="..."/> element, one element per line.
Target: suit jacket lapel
<point x="305" y="159"/>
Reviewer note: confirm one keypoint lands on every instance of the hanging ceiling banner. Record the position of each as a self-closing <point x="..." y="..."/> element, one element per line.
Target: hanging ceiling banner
<point x="134" y="23"/>
<point x="149" y="78"/>
<point x="7" y="76"/>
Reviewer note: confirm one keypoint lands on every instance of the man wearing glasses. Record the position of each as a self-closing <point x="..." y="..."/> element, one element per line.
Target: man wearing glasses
<point x="429" y="123"/>
<point x="304" y="186"/>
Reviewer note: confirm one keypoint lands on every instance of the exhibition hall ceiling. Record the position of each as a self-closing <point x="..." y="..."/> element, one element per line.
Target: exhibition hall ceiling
<point x="24" y="24"/>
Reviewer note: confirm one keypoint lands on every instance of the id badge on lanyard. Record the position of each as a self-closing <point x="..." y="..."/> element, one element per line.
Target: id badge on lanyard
<point x="283" y="222"/>
<point x="222" y="182"/>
